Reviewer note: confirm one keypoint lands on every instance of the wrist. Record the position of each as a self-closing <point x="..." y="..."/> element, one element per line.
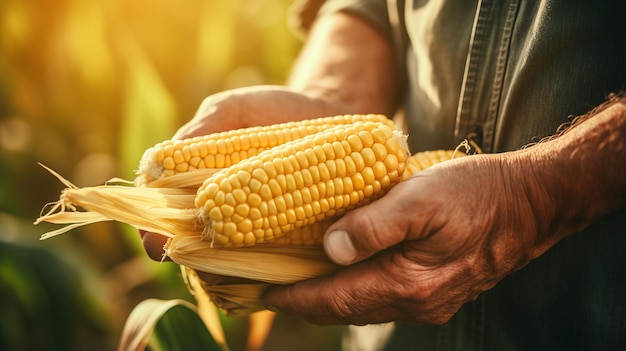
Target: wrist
<point x="574" y="179"/>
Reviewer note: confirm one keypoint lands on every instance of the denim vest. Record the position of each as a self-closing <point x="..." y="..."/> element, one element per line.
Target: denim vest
<point x="504" y="74"/>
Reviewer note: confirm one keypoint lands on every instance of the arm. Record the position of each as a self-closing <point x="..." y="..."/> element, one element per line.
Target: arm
<point x="345" y="67"/>
<point x="348" y="63"/>
<point x="452" y="232"/>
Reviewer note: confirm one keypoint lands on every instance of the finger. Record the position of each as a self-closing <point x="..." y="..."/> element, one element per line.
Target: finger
<point x="359" y="295"/>
<point x="217" y="113"/>
<point x="368" y="230"/>
<point x="153" y="244"/>
<point x="391" y="287"/>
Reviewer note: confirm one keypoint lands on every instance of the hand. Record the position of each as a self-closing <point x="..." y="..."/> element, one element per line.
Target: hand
<point x="256" y="106"/>
<point x="433" y="243"/>
<point x="452" y="232"/>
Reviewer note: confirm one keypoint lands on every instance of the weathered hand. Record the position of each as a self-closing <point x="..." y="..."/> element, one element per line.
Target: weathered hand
<point x="451" y="232"/>
<point x="255" y="106"/>
<point x="433" y="243"/>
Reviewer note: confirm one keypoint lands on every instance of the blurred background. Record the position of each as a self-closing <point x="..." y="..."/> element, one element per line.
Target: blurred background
<point x="85" y="87"/>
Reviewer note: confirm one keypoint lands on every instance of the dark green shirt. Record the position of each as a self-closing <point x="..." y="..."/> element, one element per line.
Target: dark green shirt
<point x="505" y="74"/>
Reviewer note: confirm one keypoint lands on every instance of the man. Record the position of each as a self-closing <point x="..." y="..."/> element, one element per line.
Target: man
<point x="519" y="248"/>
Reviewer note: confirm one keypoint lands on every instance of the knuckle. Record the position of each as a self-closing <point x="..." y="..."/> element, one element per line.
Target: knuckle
<point x="346" y="309"/>
<point x="371" y="237"/>
<point x="340" y="307"/>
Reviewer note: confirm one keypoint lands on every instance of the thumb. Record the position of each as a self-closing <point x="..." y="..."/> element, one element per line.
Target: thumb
<point x="365" y="231"/>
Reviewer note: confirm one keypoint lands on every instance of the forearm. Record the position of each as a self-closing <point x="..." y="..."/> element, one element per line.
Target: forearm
<point x="346" y="63"/>
<point x="345" y="67"/>
<point x="580" y="176"/>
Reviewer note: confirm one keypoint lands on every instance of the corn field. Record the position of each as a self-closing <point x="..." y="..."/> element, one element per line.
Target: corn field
<point x="85" y="88"/>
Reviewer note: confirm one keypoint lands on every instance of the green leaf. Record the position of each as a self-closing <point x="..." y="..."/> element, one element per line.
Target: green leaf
<point x="149" y="112"/>
<point x="167" y="325"/>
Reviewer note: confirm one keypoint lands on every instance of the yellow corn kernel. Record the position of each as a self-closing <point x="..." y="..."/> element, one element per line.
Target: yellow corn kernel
<point x="425" y="159"/>
<point x="221" y="150"/>
<point x="284" y="205"/>
<point x="310" y="235"/>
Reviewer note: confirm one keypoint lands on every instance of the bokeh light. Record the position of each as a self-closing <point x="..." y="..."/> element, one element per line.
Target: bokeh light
<point x="85" y="87"/>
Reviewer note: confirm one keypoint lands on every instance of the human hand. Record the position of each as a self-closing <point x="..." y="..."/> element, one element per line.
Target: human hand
<point x="255" y="106"/>
<point x="433" y="243"/>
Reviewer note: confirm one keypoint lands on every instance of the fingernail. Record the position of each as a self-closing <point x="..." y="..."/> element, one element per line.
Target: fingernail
<point x="339" y="247"/>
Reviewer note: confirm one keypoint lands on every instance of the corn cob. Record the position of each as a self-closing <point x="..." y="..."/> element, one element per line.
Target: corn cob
<point x="222" y="150"/>
<point x="422" y="160"/>
<point x="170" y="211"/>
<point x="300" y="183"/>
